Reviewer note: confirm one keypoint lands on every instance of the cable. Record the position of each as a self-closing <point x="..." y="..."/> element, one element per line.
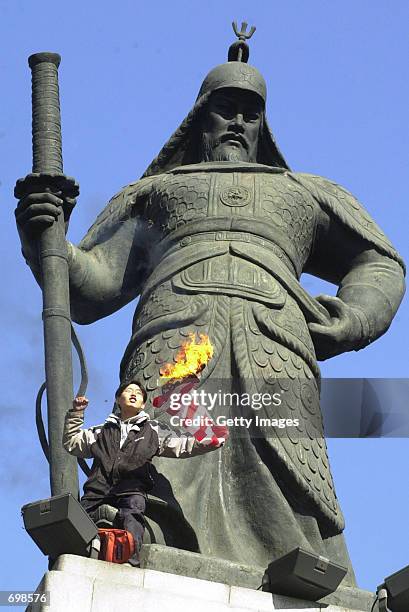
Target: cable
<point x="83" y="365"/>
<point x="40" y="424"/>
<point x="373" y="605"/>
<point x="81" y="391"/>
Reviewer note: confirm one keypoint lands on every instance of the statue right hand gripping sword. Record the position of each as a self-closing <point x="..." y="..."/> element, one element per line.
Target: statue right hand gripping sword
<point x="214" y="238"/>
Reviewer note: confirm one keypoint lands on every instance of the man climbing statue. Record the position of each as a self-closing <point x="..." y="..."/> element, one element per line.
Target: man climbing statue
<point x="122" y="449"/>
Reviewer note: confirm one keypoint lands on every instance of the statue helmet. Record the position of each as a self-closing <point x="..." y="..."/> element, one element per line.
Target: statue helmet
<point x="182" y="147"/>
<point x="236" y="72"/>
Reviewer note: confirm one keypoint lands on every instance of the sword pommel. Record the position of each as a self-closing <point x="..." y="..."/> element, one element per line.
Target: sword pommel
<point x="45" y="56"/>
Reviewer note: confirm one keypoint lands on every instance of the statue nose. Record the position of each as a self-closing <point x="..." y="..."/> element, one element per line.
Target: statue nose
<point x="238" y="120"/>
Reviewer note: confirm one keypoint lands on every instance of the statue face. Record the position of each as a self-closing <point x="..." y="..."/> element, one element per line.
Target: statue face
<point x="232" y="125"/>
<point x="131" y="400"/>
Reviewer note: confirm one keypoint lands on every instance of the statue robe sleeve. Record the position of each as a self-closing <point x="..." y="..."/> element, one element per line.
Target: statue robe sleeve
<point x="109" y="266"/>
<point x="351" y="251"/>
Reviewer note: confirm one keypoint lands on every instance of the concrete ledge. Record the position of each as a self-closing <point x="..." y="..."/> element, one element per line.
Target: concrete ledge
<point x="190" y="587"/>
<point x="66" y="591"/>
<point x="250" y="599"/>
<point x="195" y="565"/>
<point x="100" y="570"/>
<point x="350" y="597"/>
<point x="87" y="585"/>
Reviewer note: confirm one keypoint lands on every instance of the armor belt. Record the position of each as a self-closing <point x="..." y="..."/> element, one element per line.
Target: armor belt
<point x="226" y="236"/>
<point x="231" y="275"/>
<point x="205" y="246"/>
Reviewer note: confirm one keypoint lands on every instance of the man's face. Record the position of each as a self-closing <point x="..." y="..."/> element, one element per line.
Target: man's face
<point x="232" y="125"/>
<point x="130" y="401"/>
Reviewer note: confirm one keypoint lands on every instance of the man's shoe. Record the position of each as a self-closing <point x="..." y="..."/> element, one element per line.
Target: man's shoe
<point x="134" y="561"/>
<point x="104" y="516"/>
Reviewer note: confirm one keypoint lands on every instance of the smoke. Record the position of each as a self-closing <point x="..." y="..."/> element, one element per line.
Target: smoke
<point x="23" y="463"/>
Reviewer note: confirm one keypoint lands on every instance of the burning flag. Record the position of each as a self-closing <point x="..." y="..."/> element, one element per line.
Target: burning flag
<point x="181" y="379"/>
<point x="191" y="358"/>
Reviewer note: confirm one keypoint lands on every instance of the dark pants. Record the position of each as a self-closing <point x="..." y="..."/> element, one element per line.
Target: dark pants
<point x="131" y="509"/>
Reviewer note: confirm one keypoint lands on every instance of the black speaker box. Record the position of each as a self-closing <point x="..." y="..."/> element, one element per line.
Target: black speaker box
<point x="59" y="525"/>
<point x="397" y="586"/>
<point x="303" y="574"/>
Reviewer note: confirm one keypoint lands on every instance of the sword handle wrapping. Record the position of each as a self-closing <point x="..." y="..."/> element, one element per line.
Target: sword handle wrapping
<point x="46" y="117"/>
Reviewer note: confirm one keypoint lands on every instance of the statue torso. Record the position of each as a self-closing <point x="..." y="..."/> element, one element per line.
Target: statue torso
<point x="248" y="203"/>
<point x="236" y="230"/>
<point x="246" y="232"/>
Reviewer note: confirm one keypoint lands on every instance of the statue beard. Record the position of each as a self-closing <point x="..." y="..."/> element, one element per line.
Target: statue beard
<point x="211" y="151"/>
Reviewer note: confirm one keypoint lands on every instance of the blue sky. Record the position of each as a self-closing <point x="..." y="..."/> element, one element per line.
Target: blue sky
<point x="337" y="77"/>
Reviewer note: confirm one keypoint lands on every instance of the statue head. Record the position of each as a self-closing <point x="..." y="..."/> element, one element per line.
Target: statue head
<point x="227" y="122"/>
<point x="231" y="124"/>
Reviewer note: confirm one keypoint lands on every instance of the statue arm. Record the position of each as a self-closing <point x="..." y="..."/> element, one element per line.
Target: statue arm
<point x="374" y="286"/>
<point x="368" y="296"/>
<point x="352" y="252"/>
<point x="108" y="267"/>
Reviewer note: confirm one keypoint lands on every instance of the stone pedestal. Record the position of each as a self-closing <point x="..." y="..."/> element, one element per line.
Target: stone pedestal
<point x="180" y="582"/>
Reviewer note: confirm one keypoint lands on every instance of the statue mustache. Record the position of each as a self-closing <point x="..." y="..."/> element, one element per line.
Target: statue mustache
<point x="212" y="143"/>
<point x="233" y="136"/>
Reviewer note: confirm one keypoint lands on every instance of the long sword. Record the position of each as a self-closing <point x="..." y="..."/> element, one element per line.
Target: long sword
<point x="47" y="175"/>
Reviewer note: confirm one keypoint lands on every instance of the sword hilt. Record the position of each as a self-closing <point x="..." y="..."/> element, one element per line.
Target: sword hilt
<point x="46" y="131"/>
<point x="46" y="117"/>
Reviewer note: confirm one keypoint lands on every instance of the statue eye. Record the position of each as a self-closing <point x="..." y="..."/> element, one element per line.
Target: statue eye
<point x="251" y="117"/>
<point x="224" y="109"/>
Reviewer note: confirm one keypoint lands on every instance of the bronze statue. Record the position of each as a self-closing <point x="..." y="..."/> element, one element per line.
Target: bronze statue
<point x="214" y="238"/>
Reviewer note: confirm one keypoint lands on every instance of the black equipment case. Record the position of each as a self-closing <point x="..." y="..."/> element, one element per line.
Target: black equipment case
<point x="303" y="574"/>
<point x="59" y="525"/>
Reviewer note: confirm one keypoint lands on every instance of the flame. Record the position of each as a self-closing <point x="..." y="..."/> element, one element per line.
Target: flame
<point x="191" y="358"/>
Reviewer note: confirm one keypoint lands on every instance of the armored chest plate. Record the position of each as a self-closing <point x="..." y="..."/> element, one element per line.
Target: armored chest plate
<point x="266" y="203"/>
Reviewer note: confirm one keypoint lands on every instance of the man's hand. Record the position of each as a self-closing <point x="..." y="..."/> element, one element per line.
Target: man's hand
<point x="342" y="334"/>
<point x="212" y="441"/>
<point x="218" y="442"/>
<point x="37" y="211"/>
<point x="218" y="439"/>
<point x="80" y="403"/>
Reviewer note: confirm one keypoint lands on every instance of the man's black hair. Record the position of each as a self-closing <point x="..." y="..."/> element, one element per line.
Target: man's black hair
<point x="126" y="383"/>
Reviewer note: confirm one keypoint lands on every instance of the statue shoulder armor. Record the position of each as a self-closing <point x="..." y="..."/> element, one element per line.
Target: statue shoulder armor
<point x="340" y="203"/>
<point x="127" y="203"/>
